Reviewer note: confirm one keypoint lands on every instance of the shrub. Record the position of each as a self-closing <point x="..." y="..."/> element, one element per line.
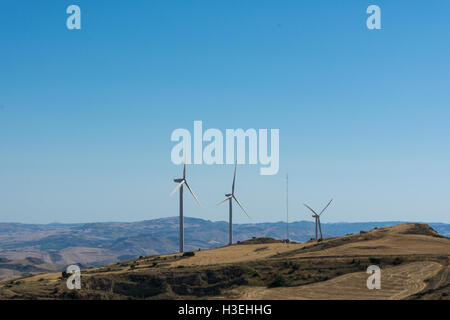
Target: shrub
<point x="73" y="294"/>
<point x="278" y="281"/>
<point x="255" y="274"/>
<point x="188" y="254"/>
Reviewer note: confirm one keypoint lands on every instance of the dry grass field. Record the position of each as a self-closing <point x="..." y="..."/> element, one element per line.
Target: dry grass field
<point x="398" y="283"/>
<point x="236" y="254"/>
<point x="414" y="260"/>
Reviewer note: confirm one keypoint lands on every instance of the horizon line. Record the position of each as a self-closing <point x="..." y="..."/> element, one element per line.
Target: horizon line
<point x="216" y="221"/>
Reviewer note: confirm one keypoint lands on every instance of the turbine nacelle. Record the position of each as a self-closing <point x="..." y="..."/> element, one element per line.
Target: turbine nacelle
<point x="317" y="216"/>
<point x="180" y="183"/>
<point x="230" y="197"/>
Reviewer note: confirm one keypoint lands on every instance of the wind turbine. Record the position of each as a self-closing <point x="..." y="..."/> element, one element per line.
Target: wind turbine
<point x="317" y="217"/>
<point x="230" y="197"/>
<point x="182" y="182"/>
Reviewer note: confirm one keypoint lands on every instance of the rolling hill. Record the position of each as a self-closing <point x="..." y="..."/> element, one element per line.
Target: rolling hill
<point x="28" y="249"/>
<point x="414" y="259"/>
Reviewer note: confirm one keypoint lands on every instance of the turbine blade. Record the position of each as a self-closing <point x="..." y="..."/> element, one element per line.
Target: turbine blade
<point x="310" y="208"/>
<point x="240" y="205"/>
<point x="177" y="187"/>
<point x="192" y="192"/>
<point x="325" y="207"/>
<point x="226" y="199"/>
<point x="234" y="178"/>
<point x="184" y="169"/>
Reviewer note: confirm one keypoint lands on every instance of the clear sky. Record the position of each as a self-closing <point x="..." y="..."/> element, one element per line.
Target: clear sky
<point x="86" y="115"/>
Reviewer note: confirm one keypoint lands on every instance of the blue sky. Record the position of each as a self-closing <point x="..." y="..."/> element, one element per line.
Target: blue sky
<point x="86" y="115"/>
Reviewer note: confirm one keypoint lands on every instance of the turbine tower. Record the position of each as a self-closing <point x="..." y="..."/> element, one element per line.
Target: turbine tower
<point x="182" y="182"/>
<point x="230" y="197"/>
<point x="287" y="208"/>
<point x="317" y="217"/>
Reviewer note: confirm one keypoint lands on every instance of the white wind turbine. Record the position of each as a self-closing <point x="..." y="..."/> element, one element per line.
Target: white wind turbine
<point x="230" y="197"/>
<point x="317" y="217"/>
<point x="182" y="182"/>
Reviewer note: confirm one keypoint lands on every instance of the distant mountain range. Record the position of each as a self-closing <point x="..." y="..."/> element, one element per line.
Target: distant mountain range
<point x="32" y="248"/>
